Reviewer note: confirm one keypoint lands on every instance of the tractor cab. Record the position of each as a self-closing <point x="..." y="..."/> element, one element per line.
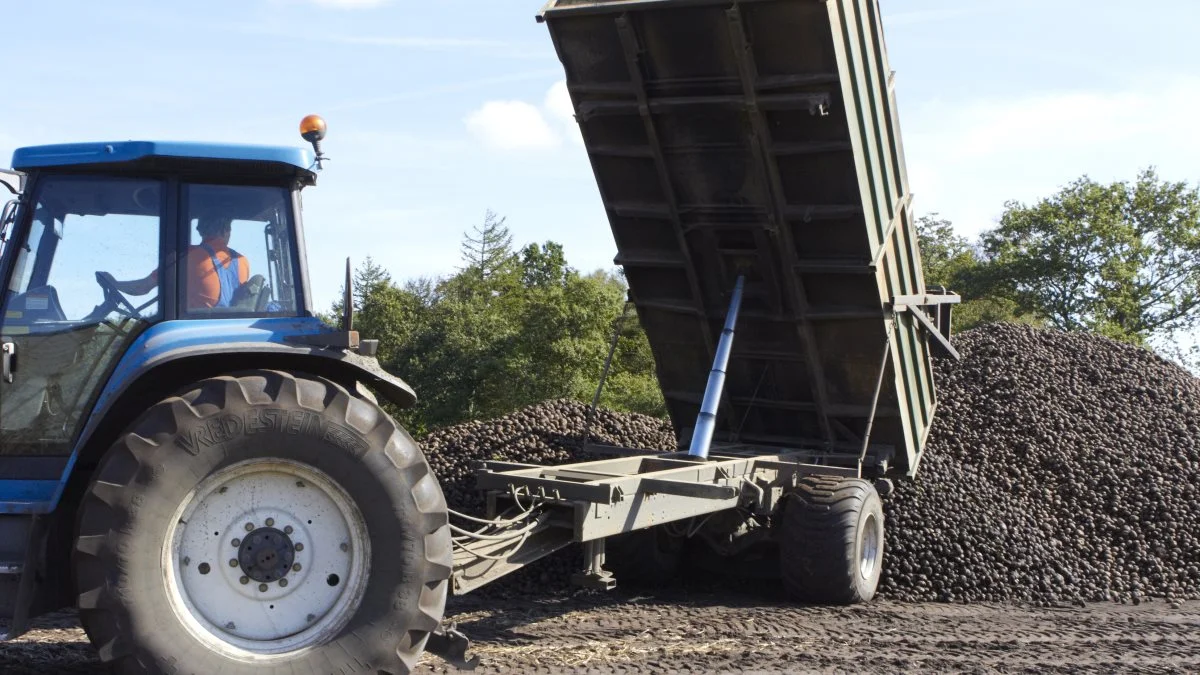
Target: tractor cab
<point x="113" y="238"/>
<point x="159" y="350"/>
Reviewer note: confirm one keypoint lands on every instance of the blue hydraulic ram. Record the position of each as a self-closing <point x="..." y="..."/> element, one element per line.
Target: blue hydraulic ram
<point x="706" y="422"/>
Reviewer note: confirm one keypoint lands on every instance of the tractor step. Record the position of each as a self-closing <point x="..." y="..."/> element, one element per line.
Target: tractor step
<point x="17" y="571"/>
<point x="10" y="585"/>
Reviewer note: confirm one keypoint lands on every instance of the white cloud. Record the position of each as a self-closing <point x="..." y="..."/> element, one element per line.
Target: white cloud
<point x="558" y="102"/>
<point x="967" y="159"/>
<point x="562" y="111"/>
<point x="512" y="125"/>
<point x="518" y="125"/>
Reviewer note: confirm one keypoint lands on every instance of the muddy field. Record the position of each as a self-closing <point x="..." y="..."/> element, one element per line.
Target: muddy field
<point x="684" y="630"/>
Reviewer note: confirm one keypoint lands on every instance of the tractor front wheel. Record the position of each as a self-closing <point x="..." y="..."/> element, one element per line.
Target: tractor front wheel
<point x="263" y="523"/>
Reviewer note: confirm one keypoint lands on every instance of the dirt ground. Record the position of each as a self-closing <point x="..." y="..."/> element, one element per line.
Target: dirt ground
<point x="682" y="630"/>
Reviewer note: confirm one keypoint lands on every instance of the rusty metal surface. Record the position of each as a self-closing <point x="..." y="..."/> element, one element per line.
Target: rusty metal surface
<point x="758" y="137"/>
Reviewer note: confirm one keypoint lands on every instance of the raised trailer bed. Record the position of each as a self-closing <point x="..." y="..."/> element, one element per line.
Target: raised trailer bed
<point x="749" y="159"/>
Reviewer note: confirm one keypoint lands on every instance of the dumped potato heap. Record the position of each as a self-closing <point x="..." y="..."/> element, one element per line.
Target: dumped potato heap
<point x="546" y="433"/>
<point x="1061" y="468"/>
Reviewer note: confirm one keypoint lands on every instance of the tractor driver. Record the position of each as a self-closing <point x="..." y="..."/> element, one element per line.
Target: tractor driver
<point x="214" y="271"/>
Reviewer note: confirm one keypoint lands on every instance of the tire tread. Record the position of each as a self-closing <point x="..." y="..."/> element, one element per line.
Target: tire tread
<point x="818" y="553"/>
<point x="105" y="508"/>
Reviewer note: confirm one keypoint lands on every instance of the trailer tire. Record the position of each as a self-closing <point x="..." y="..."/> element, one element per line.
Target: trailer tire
<point x="373" y="509"/>
<point x="831" y="541"/>
<point x="648" y="557"/>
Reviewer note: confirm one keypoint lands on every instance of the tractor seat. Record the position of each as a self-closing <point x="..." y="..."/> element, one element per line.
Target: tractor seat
<point x="251" y="296"/>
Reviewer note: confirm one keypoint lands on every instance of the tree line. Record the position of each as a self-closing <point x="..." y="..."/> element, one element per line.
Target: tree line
<point x="1119" y="259"/>
<point x="515" y="326"/>
<point x="509" y="328"/>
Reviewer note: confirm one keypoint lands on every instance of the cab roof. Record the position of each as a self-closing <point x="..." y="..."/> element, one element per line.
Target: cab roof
<point x="65" y="155"/>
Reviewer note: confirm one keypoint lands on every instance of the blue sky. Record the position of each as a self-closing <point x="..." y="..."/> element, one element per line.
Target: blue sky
<point x="441" y="109"/>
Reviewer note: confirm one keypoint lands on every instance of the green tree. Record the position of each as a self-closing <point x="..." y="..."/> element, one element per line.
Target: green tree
<point x="368" y="276"/>
<point x="487" y="253"/>
<point x="1121" y="259"/>
<point x="951" y="261"/>
<point x="632" y="383"/>
<point x="507" y="330"/>
<point x="544" y="265"/>
<point x="946" y="256"/>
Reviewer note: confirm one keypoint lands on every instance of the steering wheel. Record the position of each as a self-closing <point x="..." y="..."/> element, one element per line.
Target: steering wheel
<point x="114" y="299"/>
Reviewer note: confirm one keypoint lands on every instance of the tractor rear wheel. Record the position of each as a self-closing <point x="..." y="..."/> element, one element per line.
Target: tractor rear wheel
<point x="831" y="541"/>
<point x="264" y="522"/>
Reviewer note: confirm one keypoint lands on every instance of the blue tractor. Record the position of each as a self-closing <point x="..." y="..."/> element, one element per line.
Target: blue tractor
<point x="187" y="452"/>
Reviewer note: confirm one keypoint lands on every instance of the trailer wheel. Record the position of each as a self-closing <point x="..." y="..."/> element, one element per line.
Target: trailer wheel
<point x="645" y="557"/>
<point x="831" y="541"/>
<point x="263" y="523"/>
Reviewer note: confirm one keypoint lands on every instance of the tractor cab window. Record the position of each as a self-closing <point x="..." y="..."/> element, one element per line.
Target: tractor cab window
<point x="240" y="258"/>
<point x="83" y="284"/>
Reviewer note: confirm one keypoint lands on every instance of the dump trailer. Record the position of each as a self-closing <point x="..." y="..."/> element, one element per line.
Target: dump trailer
<point x="195" y="460"/>
<point x="749" y="160"/>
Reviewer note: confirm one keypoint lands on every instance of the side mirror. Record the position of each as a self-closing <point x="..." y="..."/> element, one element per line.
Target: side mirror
<point x="14" y="181"/>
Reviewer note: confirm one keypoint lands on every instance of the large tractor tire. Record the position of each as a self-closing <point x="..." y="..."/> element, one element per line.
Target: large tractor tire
<point x="649" y="557"/>
<point x="831" y="541"/>
<point x="263" y="523"/>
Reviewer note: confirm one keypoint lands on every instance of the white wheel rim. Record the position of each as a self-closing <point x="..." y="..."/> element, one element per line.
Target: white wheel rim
<point x="868" y="557"/>
<point x="290" y="507"/>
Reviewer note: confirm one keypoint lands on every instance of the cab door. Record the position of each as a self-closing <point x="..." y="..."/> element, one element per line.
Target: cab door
<point x="65" y="323"/>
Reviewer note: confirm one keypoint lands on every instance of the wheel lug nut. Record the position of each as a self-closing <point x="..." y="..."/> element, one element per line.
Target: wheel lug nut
<point x="270" y="522"/>
<point x="262" y="588"/>
<point x="233" y="562"/>
<point x="299" y="547"/>
<point x="310" y="617"/>
<point x="203" y="568"/>
<point x="287" y="530"/>
<point x="296" y="567"/>
<point x="283" y="583"/>
<point x="249" y="527"/>
<point x="236" y="542"/>
<point x="345" y="547"/>
<point x="244" y="580"/>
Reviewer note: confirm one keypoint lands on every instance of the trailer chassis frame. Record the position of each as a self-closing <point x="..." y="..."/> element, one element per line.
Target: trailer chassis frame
<point x="586" y="502"/>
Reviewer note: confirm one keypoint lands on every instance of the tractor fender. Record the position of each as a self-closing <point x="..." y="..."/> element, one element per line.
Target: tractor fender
<point x="172" y="355"/>
<point x="341" y="366"/>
